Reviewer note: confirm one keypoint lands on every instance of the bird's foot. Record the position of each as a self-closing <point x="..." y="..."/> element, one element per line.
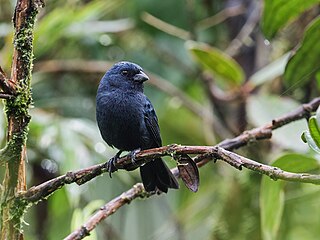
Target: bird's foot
<point x="133" y="154"/>
<point x="111" y="164"/>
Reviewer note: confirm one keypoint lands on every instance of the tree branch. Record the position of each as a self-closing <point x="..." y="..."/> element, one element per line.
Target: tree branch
<point x="93" y="66"/>
<point x="217" y="153"/>
<point x="245" y="32"/>
<point x="205" y="154"/>
<point x="165" y="27"/>
<point x="221" y="16"/>
<point x="107" y="210"/>
<point x="17" y="112"/>
<point x="274" y="173"/>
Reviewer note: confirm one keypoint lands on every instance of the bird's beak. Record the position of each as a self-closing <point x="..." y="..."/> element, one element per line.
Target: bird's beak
<point x="140" y="77"/>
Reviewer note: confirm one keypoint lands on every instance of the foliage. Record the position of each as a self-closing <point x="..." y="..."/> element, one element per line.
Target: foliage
<point x="272" y="194"/>
<point x="297" y="73"/>
<point x="243" y="88"/>
<point x="218" y="63"/>
<point x="277" y="13"/>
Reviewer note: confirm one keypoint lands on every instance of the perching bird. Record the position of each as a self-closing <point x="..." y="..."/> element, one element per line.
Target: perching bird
<point x="127" y="121"/>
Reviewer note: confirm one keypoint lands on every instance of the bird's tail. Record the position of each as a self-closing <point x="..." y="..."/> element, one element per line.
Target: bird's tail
<point x="156" y="175"/>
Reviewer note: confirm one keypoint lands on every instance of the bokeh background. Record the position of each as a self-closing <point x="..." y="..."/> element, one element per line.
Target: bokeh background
<point x="76" y="41"/>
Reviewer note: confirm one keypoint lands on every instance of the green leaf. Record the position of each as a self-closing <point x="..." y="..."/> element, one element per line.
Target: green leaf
<point x="299" y="71"/>
<point x="272" y="192"/>
<point x="219" y="63"/>
<point x="303" y="137"/>
<point x="271" y="207"/>
<point x="314" y="130"/>
<point x="277" y="13"/>
<point x="312" y="136"/>
<point x="297" y="163"/>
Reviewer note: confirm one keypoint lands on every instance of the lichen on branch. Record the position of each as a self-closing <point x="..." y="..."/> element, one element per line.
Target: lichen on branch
<point x="18" y="87"/>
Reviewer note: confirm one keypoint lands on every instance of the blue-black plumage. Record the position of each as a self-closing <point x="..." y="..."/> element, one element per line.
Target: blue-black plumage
<point x="127" y="121"/>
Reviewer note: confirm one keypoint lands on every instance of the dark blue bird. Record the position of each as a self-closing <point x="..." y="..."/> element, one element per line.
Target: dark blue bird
<point x="127" y="121"/>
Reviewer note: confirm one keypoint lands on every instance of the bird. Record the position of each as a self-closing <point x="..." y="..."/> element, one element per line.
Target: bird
<point x="128" y="121"/>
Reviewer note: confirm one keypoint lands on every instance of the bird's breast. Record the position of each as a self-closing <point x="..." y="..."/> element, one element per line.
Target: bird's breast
<point x="120" y="119"/>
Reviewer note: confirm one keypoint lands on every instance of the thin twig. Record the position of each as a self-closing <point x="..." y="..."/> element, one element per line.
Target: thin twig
<point x="221" y="16"/>
<point x="205" y="154"/>
<point x="165" y="27"/>
<point x="217" y="153"/>
<point x="245" y="31"/>
<point x="107" y="210"/>
<point x="101" y="67"/>
<point x="273" y="172"/>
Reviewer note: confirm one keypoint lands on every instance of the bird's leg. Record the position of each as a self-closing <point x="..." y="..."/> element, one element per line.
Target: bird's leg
<point x="132" y="155"/>
<point x="111" y="167"/>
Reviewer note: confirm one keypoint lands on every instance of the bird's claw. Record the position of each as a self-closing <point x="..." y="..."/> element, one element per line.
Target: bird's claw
<point x="133" y="154"/>
<point x="111" y="164"/>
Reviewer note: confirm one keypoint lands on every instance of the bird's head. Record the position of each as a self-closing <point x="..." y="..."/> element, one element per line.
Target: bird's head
<point x="125" y="76"/>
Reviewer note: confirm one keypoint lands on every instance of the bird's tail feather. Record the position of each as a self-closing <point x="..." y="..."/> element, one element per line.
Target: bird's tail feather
<point x="156" y="175"/>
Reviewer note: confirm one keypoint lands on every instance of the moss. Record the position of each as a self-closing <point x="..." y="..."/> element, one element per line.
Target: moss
<point x="14" y="146"/>
<point x="17" y="210"/>
<point x="19" y="105"/>
<point x="17" y="110"/>
<point x="23" y="42"/>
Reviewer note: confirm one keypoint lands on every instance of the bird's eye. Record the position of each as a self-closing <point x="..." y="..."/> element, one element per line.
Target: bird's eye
<point x="125" y="73"/>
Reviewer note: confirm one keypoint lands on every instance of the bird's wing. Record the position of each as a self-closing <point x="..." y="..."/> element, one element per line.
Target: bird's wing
<point x="151" y="122"/>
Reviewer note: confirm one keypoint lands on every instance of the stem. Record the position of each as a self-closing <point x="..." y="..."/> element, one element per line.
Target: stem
<point x="107" y="210"/>
<point x="17" y="110"/>
<point x="217" y="153"/>
<point x="204" y="155"/>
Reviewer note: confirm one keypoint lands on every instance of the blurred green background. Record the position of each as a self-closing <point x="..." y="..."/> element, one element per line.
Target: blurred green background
<point x="203" y="93"/>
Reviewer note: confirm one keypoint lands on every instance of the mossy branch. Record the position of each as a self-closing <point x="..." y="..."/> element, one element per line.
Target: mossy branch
<point x="17" y="93"/>
<point x="12" y="150"/>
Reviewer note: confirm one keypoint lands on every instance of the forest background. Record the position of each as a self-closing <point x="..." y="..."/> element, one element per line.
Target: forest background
<point x="217" y="68"/>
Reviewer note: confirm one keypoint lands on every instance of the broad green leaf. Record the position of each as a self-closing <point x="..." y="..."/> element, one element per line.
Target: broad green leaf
<point x="297" y="163"/>
<point x="303" y="65"/>
<point x="272" y="192"/>
<point x="277" y="13"/>
<point x="262" y="109"/>
<point x="219" y="63"/>
<point x="314" y="130"/>
<point x="271" y="207"/>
